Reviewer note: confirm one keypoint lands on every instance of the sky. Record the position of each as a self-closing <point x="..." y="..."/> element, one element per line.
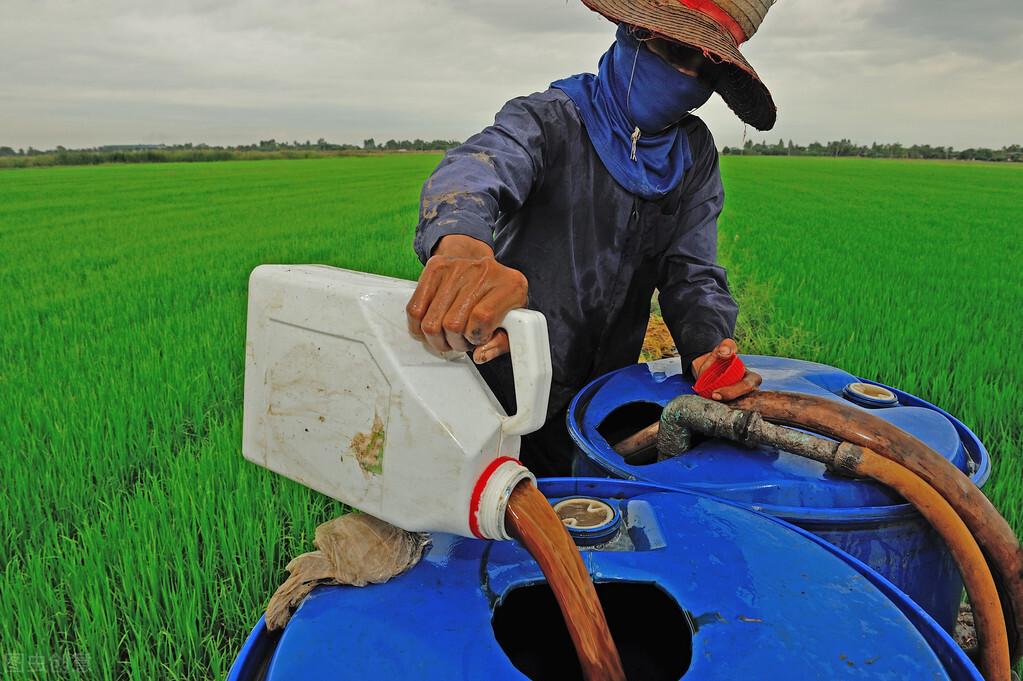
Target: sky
<point x="91" y="72"/>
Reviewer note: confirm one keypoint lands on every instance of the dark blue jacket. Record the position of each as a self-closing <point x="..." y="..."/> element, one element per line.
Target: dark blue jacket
<point x="532" y="187"/>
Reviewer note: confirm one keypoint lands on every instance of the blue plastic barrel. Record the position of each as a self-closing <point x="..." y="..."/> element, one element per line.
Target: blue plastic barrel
<point x="691" y="586"/>
<point x="861" y="517"/>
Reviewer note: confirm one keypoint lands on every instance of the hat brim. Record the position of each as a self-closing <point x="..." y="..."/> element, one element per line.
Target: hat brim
<point x="739" y="85"/>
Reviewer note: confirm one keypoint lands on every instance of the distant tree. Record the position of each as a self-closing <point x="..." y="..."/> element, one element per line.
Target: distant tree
<point x="7" y="151"/>
<point x="369" y="144"/>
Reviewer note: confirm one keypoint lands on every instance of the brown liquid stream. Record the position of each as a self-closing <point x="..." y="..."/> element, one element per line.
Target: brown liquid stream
<point x="531" y="520"/>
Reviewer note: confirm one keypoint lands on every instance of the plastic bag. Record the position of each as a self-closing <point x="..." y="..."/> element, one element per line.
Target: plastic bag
<point x="355" y="549"/>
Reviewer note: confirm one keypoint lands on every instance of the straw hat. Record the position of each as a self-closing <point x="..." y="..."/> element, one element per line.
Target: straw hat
<point x="717" y="27"/>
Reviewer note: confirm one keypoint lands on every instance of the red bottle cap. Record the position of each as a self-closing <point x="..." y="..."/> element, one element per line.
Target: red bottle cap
<point x="720" y="374"/>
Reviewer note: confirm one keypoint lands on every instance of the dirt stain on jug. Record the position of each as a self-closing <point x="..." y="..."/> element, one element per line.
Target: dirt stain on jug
<point x="369" y="447"/>
<point x="531" y="520"/>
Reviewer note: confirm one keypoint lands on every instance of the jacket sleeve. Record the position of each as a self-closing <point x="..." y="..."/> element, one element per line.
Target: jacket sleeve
<point x="488" y="176"/>
<point x="693" y="290"/>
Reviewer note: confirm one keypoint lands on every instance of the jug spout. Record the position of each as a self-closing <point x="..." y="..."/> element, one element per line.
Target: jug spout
<point x="490" y="496"/>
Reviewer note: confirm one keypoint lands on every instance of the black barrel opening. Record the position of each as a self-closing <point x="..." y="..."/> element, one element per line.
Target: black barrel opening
<point x="652" y="632"/>
<point x="627" y="420"/>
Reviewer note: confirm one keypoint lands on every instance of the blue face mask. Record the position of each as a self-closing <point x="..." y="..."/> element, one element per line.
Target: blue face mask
<point x="653" y="93"/>
<point x="633" y="87"/>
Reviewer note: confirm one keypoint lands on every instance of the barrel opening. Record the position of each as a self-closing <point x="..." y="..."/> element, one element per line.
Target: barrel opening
<point x="627" y="420"/>
<point x="652" y="632"/>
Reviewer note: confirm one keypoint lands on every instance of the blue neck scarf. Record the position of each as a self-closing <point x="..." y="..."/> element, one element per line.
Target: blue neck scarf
<point x="631" y="110"/>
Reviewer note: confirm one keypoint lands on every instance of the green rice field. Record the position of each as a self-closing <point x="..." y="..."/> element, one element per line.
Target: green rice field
<point x="137" y="542"/>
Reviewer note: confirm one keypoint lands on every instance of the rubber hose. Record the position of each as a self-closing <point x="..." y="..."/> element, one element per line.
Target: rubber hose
<point x="851" y="424"/>
<point x="992" y="638"/>
<point x="638" y="442"/>
<point x="688" y="413"/>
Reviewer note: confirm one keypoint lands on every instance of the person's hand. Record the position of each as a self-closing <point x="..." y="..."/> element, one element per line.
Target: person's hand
<point x="726" y="349"/>
<point x="462" y="297"/>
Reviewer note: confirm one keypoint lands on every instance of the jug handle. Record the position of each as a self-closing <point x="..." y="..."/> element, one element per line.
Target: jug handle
<point x="531" y="364"/>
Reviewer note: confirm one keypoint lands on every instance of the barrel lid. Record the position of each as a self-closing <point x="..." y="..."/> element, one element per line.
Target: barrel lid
<point x="758" y="599"/>
<point x="766" y="478"/>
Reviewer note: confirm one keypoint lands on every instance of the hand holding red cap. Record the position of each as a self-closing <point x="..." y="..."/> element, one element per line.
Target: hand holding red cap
<point x="721" y="374"/>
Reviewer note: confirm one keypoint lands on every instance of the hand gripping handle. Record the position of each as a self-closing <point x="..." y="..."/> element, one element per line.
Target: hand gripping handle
<point x="531" y="364"/>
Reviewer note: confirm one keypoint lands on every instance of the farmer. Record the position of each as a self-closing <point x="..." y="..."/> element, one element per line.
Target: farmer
<point x="581" y="200"/>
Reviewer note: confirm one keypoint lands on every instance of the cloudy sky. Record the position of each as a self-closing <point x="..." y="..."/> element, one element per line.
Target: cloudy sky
<point x="90" y="72"/>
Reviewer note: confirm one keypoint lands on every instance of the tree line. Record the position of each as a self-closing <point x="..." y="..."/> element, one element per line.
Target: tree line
<point x="272" y="148"/>
<point x="846" y="148"/>
<point x="410" y="145"/>
<point x="188" y="152"/>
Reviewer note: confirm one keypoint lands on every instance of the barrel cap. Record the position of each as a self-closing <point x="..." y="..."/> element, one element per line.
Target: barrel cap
<point x="590" y="521"/>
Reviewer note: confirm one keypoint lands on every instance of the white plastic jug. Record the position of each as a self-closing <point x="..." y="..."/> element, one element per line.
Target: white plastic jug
<point x="340" y="397"/>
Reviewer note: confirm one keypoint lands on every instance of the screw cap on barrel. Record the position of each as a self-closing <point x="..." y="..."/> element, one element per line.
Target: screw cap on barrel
<point x="590" y="521"/>
<point x="870" y="395"/>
